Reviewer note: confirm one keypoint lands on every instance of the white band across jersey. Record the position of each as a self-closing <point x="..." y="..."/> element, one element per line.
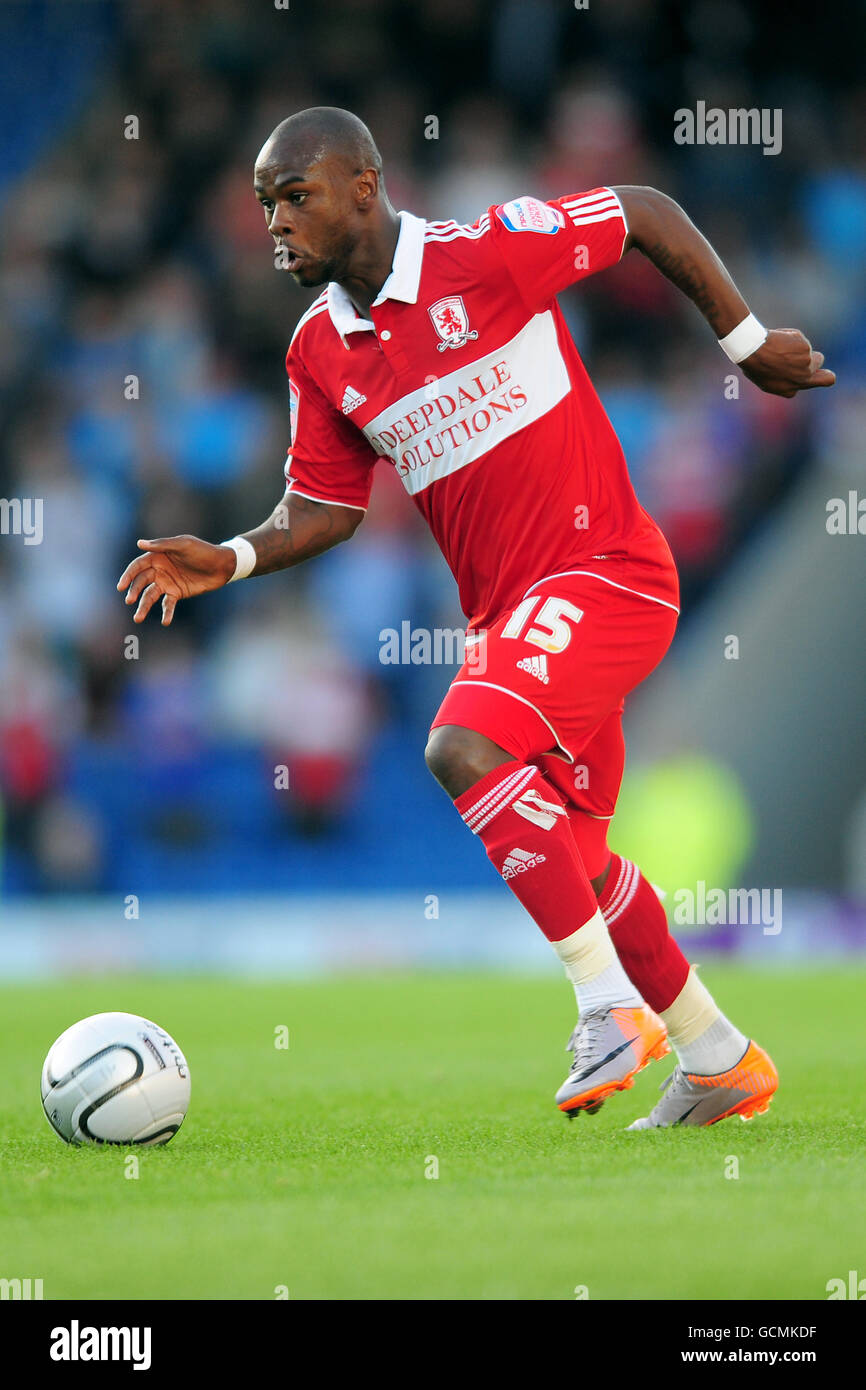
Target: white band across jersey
<point x="745" y="339"/>
<point x="245" y="557"/>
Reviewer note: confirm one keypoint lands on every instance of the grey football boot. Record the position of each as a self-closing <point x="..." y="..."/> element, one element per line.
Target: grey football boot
<point x="610" y="1047"/>
<point x="689" y="1099"/>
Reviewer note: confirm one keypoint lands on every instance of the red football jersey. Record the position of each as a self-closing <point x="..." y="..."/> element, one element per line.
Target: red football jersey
<point x="467" y="381"/>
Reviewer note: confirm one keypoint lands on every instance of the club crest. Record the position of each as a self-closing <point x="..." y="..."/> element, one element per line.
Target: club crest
<point x="451" y="322"/>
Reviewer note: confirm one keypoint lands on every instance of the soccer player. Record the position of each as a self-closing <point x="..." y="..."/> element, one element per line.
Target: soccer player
<point x="441" y="348"/>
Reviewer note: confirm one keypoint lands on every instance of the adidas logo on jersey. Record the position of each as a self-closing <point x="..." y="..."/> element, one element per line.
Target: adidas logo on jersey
<point x="535" y="666"/>
<point x="520" y="861"/>
<point x="351" y="400"/>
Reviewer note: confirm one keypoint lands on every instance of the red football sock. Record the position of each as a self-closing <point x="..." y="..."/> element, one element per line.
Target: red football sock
<point x="523" y="825"/>
<point x="639" y="930"/>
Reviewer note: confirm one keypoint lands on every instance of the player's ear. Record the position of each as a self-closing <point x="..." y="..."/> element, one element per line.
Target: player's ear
<point x="367" y="187"/>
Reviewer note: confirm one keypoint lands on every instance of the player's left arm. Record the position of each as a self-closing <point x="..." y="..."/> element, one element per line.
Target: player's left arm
<point x="786" y="362"/>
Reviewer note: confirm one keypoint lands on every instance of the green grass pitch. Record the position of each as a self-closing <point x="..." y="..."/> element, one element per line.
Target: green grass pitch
<point x="305" y="1168"/>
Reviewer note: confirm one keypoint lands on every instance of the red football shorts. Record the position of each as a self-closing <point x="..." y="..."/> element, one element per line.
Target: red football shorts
<point x="547" y="682"/>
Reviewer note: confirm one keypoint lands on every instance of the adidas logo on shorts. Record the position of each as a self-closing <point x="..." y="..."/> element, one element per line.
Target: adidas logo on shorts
<point x="535" y="666"/>
<point x="520" y="861"/>
<point x="351" y="400"/>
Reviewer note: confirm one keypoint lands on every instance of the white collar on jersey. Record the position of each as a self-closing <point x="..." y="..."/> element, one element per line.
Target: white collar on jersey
<point x="401" y="284"/>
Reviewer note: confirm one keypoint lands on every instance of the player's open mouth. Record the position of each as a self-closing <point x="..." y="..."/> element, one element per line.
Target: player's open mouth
<point x="292" y="259"/>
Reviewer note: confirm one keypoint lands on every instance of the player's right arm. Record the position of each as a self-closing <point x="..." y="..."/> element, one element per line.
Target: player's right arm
<point x="179" y="567"/>
<point x="329" y="475"/>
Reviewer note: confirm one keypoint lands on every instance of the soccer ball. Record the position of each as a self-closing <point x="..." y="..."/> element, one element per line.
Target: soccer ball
<point x="115" y="1079"/>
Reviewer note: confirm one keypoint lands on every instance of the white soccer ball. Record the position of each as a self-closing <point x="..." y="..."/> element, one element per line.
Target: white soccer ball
<point x="115" y="1079"/>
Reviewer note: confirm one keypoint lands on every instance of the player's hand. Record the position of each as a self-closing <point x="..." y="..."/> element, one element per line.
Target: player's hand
<point x="787" y="363"/>
<point x="175" y="568"/>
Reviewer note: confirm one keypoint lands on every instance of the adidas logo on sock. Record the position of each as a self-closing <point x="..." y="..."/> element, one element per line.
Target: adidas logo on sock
<point x="535" y="666"/>
<point x="351" y="400"/>
<point x="519" y="861"/>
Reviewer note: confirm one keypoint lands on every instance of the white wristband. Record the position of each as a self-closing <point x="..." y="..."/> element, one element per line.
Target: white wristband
<point x="245" y="562"/>
<point x="743" y="340"/>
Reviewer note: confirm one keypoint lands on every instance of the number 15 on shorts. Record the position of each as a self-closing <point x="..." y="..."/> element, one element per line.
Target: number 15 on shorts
<point x="550" y="631"/>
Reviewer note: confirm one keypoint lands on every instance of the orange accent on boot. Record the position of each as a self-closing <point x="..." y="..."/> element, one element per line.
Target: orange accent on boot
<point x="649" y="1040"/>
<point x="755" y="1073"/>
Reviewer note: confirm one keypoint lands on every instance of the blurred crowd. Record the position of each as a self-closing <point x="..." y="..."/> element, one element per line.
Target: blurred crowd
<point x="143" y="330"/>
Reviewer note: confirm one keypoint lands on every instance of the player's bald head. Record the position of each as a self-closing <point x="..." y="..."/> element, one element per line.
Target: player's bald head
<point x="319" y="180"/>
<point x="319" y="134"/>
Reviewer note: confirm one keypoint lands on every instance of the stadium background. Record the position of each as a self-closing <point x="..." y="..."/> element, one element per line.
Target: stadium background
<point x="140" y="821"/>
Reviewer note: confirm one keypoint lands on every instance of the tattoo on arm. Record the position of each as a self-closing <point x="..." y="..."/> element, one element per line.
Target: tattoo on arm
<point x="297" y="532"/>
<point x="684" y="273"/>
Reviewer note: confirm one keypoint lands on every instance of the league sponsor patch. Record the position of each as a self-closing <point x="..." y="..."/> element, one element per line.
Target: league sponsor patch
<point x="530" y="215"/>
<point x="294" y="402"/>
